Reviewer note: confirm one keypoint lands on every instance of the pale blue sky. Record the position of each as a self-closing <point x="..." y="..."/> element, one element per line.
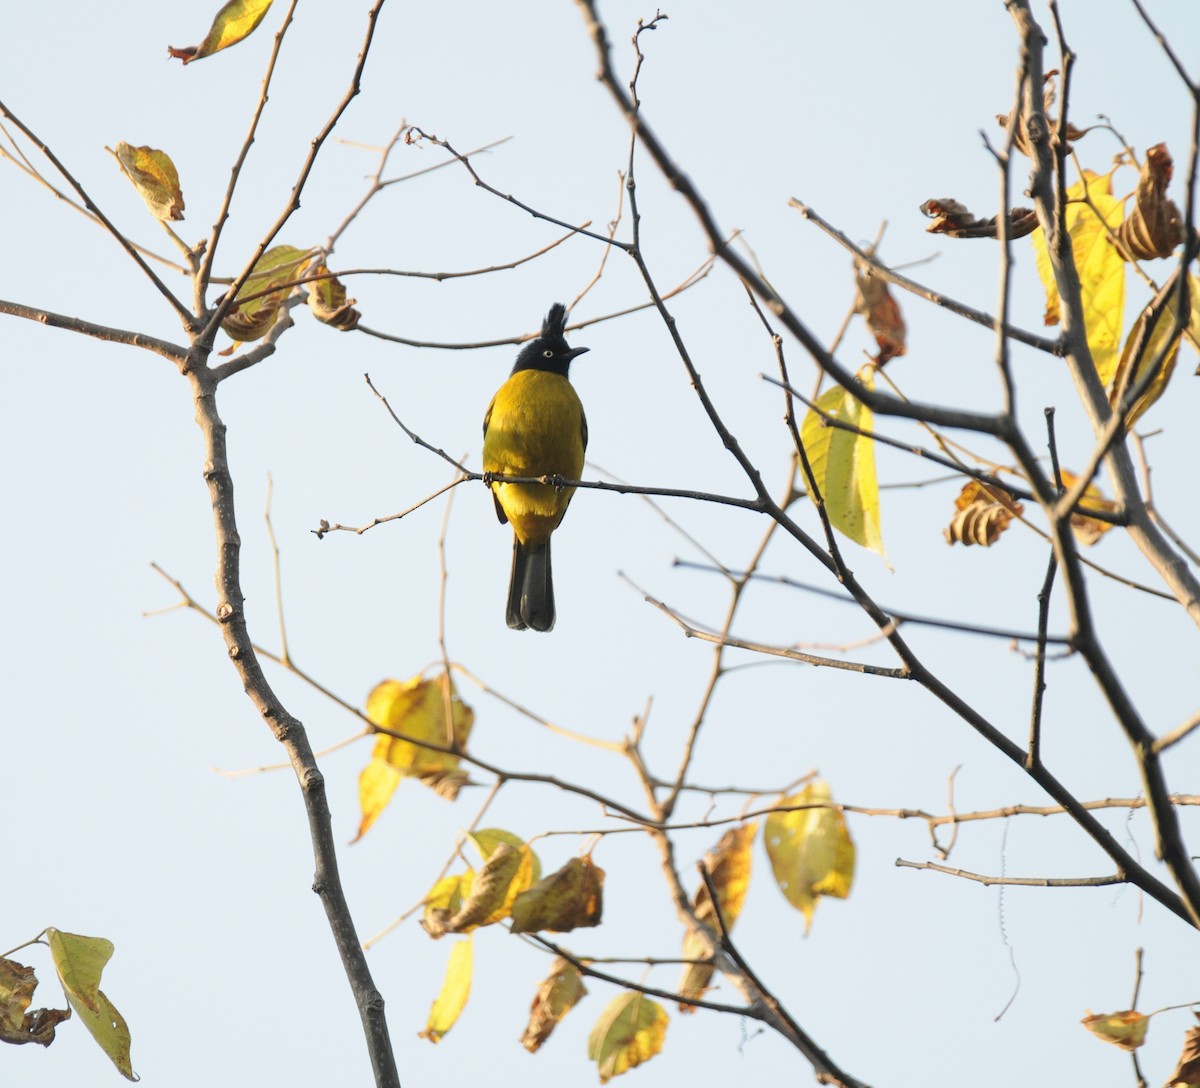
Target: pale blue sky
<point x="118" y="827"/>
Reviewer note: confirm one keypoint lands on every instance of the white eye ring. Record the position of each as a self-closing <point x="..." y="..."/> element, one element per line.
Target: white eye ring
<point x="548" y="353"/>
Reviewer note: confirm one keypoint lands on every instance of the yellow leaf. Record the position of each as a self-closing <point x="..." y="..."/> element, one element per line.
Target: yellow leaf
<point x="486" y="840"/>
<point x="1125" y="1029"/>
<point x="1163" y="341"/>
<point x="1101" y="270"/>
<point x="109" y="1029"/>
<point x="79" y="962"/>
<point x="1089" y="530"/>
<point x="445" y="900"/>
<point x="235" y="21"/>
<point x="630" y="1031"/>
<point x="505" y="874"/>
<point x="264" y="291"/>
<point x="456" y="988"/>
<point x="571" y="898"/>
<point x="376" y="784"/>
<point x="328" y="302"/>
<point x="728" y="866"/>
<point x="1193" y="329"/>
<point x="558" y="994"/>
<point x="810" y="849"/>
<point x="843" y="465"/>
<point x="417" y="708"/>
<point x="154" y="176"/>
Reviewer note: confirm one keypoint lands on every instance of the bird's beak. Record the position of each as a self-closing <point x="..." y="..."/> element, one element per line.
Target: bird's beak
<point x="572" y="352"/>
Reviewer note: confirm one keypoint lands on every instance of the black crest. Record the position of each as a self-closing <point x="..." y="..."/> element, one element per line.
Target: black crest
<point x="555" y="325"/>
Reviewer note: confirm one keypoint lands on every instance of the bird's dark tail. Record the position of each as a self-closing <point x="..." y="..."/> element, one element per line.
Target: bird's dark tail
<point x="530" y="589"/>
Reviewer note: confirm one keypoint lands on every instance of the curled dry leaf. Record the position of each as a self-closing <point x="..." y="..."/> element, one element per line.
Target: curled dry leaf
<point x="1159" y="353"/>
<point x="881" y="311"/>
<point x="954" y="219"/>
<point x="328" y="302"/>
<point x="1154" y="227"/>
<point x="1019" y="139"/>
<point x="17" y="1024"/>
<point x="1187" y="1070"/>
<point x="982" y="513"/>
<point x="559" y="993"/>
<point x="1124" y="1029"/>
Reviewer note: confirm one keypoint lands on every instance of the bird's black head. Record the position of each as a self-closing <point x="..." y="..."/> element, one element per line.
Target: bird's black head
<point x="549" y="351"/>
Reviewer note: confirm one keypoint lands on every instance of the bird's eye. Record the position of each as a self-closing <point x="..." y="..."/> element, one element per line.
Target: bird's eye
<point x="548" y="353"/>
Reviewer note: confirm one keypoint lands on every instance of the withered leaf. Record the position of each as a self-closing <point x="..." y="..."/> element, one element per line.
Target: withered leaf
<point x="558" y="994"/>
<point x="982" y="513"/>
<point x="1019" y="140"/>
<point x="17" y="1024"/>
<point x="328" y="302"/>
<point x="728" y="867"/>
<point x="1156" y="365"/>
<point x="154" y="176"/>
<point x="881" y="311"/>
<point x="1187" y="1069"/>
<point x="1154" y="227"/>
<point x="954" y="219"/>
<point x="571" y="898"/>
<point x="490" y="897"/>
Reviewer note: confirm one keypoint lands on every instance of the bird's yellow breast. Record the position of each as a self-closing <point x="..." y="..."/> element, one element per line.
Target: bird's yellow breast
<point x="534" y="427"/>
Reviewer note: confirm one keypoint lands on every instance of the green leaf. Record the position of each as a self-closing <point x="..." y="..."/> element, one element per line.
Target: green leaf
<point x="630" y="1031"/>
<point x="843" y="464"/>
<point x="456" y="988"/>
<point x="79" y="962"/>
<point x="236" y="20"/>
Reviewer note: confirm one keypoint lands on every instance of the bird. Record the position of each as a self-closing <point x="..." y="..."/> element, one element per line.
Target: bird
<point x="535" y="426"/>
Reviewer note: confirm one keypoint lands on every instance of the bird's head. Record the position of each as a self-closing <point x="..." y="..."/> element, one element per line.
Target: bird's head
<point x="550" y="350"/>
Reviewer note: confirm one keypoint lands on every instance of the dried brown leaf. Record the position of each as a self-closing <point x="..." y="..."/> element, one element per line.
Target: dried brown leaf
<point x="982" y="513"/>
<point x="881" y="311"/>
<point x="1187" y="1069"/>
<point x="558" y="994"/>
<point x="1154" y="227"/>
<point x="954" y="219"/>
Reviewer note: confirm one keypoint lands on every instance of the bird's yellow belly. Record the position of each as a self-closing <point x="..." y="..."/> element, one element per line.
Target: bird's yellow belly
<point x="535" y="428"/>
